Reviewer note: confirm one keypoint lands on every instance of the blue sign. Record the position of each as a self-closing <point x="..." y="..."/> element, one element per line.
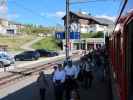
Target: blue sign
<point x="60" y="35"/>
<point x="73" y="35"/>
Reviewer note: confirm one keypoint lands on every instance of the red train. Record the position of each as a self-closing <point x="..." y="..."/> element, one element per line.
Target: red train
<point x="120" y="48"/>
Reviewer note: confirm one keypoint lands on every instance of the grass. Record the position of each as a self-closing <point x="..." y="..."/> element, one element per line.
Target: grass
<point x="46" y="43"/>
<point x="15" y="43"/>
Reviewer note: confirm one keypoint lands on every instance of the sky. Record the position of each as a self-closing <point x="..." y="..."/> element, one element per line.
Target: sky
<point x="50" y="12"/>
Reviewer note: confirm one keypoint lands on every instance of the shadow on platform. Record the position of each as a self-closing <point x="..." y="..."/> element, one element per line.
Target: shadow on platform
<point x="99" y="91"/>
<point x="30" y="92"/>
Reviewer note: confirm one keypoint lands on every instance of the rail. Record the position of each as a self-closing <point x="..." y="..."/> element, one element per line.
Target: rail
<point x="25" y="72"/>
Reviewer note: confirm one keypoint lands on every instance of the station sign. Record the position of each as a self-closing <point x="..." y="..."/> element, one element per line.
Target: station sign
<point x="72" y="35"/>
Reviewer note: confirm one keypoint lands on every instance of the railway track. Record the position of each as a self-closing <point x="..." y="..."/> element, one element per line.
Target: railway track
<point x="26" y="72"/>
<point x="16" y="75"/>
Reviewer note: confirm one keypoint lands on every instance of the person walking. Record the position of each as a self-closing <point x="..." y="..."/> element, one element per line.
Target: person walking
<point x="54" y="70"/>
<point x="71" y="75"/>
<point x="58" y="80"/>
<point x="43" y="85"/>
<point x="88" y="77"/>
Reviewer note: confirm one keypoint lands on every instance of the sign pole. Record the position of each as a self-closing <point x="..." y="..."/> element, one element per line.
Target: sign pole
<point x="67" y="28"/>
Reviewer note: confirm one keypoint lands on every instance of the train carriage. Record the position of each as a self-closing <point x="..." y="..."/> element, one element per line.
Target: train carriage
<point x="121" y="52"/>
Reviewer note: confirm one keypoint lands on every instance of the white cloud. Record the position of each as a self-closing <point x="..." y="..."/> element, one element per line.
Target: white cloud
<point x="84" y="13"/>
<point x="2" y="9"/>
<point x="58" y="14"/>
<point x="113" y="18"/>
<point x="13" y="16"/>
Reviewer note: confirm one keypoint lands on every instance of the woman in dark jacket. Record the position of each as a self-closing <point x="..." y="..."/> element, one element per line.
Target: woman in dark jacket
<point x="42" y="84"/>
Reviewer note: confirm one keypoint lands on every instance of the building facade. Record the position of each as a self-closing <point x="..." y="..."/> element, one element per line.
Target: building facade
<point x="9" y="27"/>
<point x="84" y="23"/>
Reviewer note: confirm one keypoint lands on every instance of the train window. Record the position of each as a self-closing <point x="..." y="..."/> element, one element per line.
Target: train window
<point x="129" y="54"/>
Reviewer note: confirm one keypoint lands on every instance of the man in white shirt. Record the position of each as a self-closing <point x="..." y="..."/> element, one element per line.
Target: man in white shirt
<point x="71" y="75"/>
<point x="59" y="79"/>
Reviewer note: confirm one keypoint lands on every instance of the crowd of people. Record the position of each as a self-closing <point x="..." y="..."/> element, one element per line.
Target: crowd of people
<point x="66" y="76"/>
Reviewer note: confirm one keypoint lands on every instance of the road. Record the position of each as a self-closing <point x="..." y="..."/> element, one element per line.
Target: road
<point x="23" y="64"/>
<point x="28" y="45"/>
<point x="19" y="64"/>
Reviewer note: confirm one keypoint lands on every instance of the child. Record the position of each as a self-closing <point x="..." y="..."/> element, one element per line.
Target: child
<point x="75" y="95"/>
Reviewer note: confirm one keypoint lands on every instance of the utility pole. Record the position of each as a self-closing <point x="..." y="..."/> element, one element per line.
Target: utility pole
<point x="67" y="27"/>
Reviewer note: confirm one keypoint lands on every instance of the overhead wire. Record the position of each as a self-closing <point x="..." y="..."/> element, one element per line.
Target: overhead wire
<point x="87" y="1"/>
<point x="120" y="6"/>
<point x="71" y="3"/>
<point x="33" y="12"/>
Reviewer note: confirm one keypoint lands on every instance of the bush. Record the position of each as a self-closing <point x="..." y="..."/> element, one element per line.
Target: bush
<point x="48" y="43"/>
<point x="92" y="35"/>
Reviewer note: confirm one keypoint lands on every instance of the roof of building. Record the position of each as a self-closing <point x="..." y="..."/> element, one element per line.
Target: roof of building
<point x="102" y="21"/>
<point x="3" y="19"/>
<point x="11" y="22"/>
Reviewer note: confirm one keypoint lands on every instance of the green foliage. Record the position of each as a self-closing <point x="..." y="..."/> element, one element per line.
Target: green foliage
<point x="15" y="43"/>
<point x="32" y="29"/>
<point x="48" y="43"/>
<point x="92" y="35"/>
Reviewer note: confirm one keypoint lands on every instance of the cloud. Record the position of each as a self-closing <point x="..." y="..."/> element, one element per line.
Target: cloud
<point x="113" y="18"/>
<point x="13" y="16"/>
<point x="3" y="9"/>
<point x="58" y="14"/>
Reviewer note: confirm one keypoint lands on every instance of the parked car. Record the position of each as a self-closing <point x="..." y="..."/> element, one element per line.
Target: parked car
<point x="6" y="59"/>
<point x="4" y="63"/>
<point x="46" y="53"/>
<point x="27" y="55"/>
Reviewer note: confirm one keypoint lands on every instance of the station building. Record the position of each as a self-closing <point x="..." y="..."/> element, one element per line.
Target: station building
<point x="82" y="24"/>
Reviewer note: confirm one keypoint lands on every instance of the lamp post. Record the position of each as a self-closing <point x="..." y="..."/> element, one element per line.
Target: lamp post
<point x="67" y="28"/>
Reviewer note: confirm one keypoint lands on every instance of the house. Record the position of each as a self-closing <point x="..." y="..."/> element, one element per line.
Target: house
<point x="3" y="26"/>
<point x="84" y="23"/>
<point x="9" y="27"/>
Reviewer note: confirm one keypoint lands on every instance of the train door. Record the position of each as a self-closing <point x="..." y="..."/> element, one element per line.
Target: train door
<point x="129" y="58"/>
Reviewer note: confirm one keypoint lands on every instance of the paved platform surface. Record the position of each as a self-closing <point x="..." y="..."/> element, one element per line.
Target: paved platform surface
<point x="99" y="91"/>
<point x="27" y="89"/>
<point x="4" y="74"/>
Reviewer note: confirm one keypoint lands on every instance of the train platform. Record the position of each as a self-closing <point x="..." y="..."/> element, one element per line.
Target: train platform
<point x="99" y="91"/>
<point x="27" y="89"/>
